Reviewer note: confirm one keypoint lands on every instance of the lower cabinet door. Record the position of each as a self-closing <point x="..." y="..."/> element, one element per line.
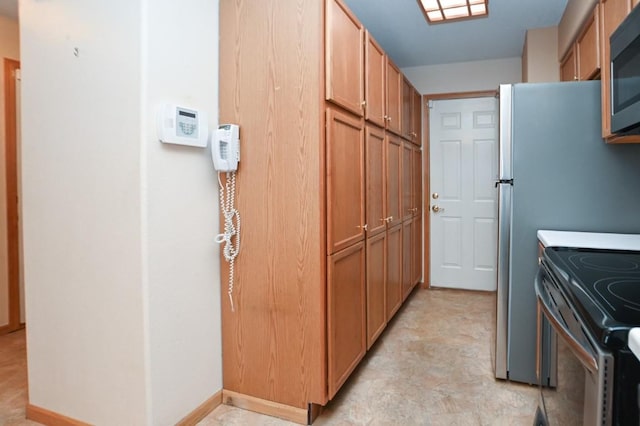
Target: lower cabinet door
<point x="376" y="286"/>
<point x="407" y="285"/>
<point x="346" y="321"/>
<point x="416" y="250"/>
<point x="394" y="270"/>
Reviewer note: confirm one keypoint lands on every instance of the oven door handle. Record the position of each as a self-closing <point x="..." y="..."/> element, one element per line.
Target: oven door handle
<point x="586" y="358"/>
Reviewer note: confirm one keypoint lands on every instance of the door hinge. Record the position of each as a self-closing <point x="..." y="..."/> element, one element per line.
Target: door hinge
<point x="430" y="103"/>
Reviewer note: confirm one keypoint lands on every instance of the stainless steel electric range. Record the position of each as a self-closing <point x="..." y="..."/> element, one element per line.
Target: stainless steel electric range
<point x="588" y="300"/>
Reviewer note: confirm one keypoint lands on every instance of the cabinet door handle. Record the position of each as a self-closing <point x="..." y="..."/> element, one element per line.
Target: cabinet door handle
<point x="363" y="227"/>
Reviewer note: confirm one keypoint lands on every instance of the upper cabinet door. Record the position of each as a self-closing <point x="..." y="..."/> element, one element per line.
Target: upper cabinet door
<point x="345" y="180"/>
<point x="416" y="118"/>
<point x="344" y="58"/>
<point x="588" y="48"/>
<point x="394" y="98"/>
<point x="376" y="158"/>
<point x="568" y="66"/>
<point x="394" y="180"/>
<point x="407" y="104"/>
<point x="374" y="82"/>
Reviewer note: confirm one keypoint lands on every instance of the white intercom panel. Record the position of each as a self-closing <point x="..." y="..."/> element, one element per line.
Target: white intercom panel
<point x="182" y="126"/>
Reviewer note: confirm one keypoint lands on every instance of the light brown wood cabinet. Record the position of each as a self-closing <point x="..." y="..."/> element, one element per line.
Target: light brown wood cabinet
<point x="344" y="58"/>
<point x="376" y="286"/>
<point x="407" y="284"/>
<point x="394" y="270"/>
<point x="568" y="66"/>
<point x="345" y="177"/>
<point x="612" y="13"/>
<point x="416" y="117"/>
<point x="346" y="319"/>
<point x="394" y="98"/>
<point x="411" y="113"/>
<point x="375" y="82"/>
<point x="416" y="250"/>
<point x="416" y="180"/>
<point x="588" y="48"/>
<point x="320" y="198"/>
<point x="407" y="105"/>
<point x="407" y="179"/>
<point x="394" y="180"/>
<point x="376" y="206"/>
<point x="582" y="61"/>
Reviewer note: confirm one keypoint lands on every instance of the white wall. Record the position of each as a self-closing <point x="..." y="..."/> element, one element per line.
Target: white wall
<point x="465" y="76"/>
<point x="9" y="48"/>
<point x="542" y="56"/>
<point x="121" y="272"/>
<point x="574" y="15"/>
<point x="182" y="213"/>
<point x="82" y="208"/>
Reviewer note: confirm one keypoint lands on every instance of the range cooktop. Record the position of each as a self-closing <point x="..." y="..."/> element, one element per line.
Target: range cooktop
<point x="603" y="286"/>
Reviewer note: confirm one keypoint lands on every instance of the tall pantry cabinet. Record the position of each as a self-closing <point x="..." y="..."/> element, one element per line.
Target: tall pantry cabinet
<point x="320" y="192"/>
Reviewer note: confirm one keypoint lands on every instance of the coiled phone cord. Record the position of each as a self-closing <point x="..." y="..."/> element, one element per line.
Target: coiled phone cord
<point x="231" y="229"/>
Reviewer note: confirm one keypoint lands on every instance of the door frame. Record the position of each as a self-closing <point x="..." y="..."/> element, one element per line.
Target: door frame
<point x="11" y="175"/>
<point x="426" y="175"/>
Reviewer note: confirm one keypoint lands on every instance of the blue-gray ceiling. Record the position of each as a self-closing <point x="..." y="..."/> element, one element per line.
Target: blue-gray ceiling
<point x="403" y="32"/>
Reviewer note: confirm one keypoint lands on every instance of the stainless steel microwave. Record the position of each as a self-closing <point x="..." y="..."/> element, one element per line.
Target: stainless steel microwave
<point x="625" y="75"/>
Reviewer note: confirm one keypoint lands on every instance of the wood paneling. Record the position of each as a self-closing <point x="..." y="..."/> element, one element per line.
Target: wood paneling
<point x="394" y="180"/>
<point x="275" y="342"/>
<point x="588" y="48"/>
<point x="374" y="82"/>
<point x="376" y="179"/>
<point x="376" y="286"/>
<point x="346" y="319"/>
<point x="345" y="180"/>
<point x="344" y="57"/>
<point x="394" y="270"/>
<point x="394" y="98"/>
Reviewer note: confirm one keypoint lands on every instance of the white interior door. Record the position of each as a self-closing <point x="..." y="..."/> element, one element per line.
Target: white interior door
<point x="463" y="144"/>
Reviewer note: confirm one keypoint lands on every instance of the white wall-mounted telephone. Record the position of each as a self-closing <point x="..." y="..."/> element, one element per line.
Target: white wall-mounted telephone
<point x="225" y="148"/>
<point x="225" y="152"/>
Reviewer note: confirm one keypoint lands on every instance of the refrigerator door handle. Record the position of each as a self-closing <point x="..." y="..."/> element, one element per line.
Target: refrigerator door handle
<point x="503" y="181"/>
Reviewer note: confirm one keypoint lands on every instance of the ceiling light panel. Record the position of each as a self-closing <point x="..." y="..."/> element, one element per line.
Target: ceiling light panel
<point x="437" y="11"/>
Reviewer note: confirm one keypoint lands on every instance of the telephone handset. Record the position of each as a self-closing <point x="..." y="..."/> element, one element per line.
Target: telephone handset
<point x="225" y="152"/>
<point x="226" y="148"/>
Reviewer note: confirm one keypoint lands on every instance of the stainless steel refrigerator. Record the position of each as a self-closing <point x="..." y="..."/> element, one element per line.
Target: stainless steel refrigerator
<point x="556" y="173"/>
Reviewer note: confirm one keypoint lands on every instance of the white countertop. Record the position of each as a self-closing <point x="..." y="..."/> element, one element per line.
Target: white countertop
<point x="634" y="341"/>
<point x="593" y="240"/>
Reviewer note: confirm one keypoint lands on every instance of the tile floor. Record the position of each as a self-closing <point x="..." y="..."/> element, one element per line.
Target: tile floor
<point x="432" y="366"/>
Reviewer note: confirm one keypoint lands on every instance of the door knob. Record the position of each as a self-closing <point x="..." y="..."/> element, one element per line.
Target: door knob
<point x="435" y="195"/>
<point x="436" y="209"/>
